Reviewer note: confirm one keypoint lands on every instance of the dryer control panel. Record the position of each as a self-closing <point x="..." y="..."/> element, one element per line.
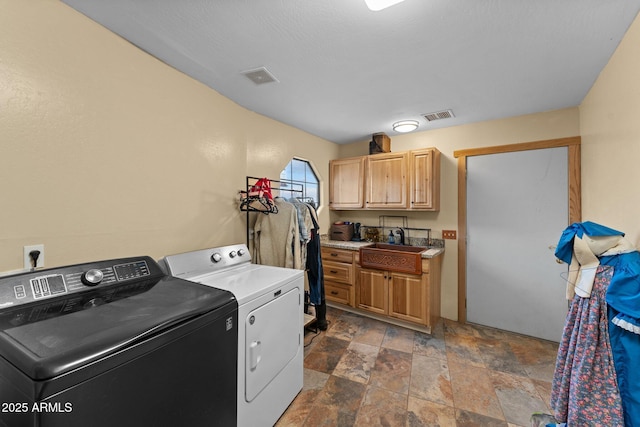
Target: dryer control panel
<point x="55" y="282"/>
<point x="191" y="264"/>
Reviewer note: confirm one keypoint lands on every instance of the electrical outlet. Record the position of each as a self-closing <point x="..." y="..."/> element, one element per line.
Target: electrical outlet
<point x="27" y="256"/>
<point x="449" y="234"/>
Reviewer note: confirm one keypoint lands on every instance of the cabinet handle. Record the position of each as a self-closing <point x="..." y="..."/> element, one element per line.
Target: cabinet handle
<point x="334" y="292"/>
<point x="333" y="271"/>
<point x="334" y="254"/>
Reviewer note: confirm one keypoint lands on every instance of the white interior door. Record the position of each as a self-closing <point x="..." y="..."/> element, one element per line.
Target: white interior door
<point x="517" y="207"/>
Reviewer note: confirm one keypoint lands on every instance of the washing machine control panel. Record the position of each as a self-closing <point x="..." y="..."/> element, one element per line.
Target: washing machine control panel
<point x="44" y="284"/>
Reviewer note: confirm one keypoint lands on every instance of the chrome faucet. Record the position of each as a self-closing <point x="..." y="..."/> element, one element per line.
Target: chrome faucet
<point x="401" y="233"/>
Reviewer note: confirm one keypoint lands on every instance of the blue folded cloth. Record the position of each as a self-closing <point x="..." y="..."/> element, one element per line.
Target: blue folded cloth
<point x="564" y="250"/>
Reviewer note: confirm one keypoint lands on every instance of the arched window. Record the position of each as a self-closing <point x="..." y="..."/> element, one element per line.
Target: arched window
<point x="301" y="172"/>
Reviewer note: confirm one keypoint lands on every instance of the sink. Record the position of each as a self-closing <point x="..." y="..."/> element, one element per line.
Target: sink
<point x="400" y="258"/>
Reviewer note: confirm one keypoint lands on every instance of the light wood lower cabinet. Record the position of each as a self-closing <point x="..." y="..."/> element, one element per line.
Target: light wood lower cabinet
<point x="338" y="268"/>
<point x="399" y="295"/>
<point x="373" y="290"/>
<point x="408" y="297"/>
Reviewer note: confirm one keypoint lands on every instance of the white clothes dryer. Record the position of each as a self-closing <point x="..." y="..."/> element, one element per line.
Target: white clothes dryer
<point x="270" y="325"/>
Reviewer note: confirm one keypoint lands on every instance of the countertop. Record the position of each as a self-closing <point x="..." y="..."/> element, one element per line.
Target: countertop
<point x="355" y="246"/>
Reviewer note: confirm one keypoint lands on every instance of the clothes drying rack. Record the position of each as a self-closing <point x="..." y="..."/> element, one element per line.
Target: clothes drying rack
<point x="281" y="186"/>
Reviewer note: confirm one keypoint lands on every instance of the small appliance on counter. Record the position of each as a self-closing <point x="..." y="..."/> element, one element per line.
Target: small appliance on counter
<point x="357" y="237"/>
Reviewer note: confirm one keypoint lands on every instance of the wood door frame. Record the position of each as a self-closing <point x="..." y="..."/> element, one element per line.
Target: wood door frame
<point x="575" y="201"/>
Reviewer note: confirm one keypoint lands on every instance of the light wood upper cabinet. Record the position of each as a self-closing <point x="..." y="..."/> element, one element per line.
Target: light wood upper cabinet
<point x="407" y="180"/>
<point x="346" y="183"/>
<point x="425" y="179"/>
<point x="386" y="181"/>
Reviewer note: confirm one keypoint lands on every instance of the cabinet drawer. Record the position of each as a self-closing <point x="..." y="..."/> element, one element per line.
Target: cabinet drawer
<point x="337" y="271"/>
<point x="338" y="255"/>
<point x="337" y="292"/>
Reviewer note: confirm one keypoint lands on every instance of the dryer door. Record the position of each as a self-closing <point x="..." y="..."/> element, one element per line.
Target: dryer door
<point x="272" y="340"/>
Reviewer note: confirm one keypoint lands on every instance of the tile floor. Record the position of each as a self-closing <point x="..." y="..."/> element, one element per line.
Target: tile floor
<point x="362" y="372"/>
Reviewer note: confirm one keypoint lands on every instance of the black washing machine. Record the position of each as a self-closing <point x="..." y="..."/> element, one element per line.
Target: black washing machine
<point x="116" y="343"/>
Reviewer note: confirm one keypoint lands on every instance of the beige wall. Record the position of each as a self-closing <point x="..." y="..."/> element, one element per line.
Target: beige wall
<point x="610" y="130"/>
<point x="533" y="127"/>
<point x="107" y="152"/>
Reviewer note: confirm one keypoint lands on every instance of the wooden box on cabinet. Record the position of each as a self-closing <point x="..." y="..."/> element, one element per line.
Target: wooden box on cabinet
<point x="342" y="232"/>
<point x="381" y="143"/>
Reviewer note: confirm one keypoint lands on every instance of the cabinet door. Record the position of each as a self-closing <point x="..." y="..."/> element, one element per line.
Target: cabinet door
<point x="425" y="179"/>
<point x="373" y="290"/>
<point x="387" y="181"/>
<point x="408" y="297"/>
<point x="346" y="183"/>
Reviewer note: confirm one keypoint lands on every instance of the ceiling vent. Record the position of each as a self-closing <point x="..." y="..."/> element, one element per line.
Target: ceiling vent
<point x="439" y="115"/>
<point x="259" y="75"/>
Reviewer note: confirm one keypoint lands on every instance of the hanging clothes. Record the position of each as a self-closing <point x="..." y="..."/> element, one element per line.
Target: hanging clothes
<point x="622" y="299"/>
<point x="276" y="237"/>
<point x="314" y="261"/>
<point x="584" y="389"/>
<point x="315" y="274"/>
<point x="305" y="225"/>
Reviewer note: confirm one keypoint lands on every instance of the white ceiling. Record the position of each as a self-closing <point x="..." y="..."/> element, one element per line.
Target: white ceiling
<point x="345" y="72"/>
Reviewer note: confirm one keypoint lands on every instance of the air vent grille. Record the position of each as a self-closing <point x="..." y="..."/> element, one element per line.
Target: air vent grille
<point x="260" y="76"/>
<point x="439" y="115"/>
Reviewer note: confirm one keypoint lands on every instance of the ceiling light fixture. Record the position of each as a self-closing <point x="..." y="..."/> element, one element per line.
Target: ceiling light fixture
<point x="405" y="126"/>
<point x="376" y="5"/>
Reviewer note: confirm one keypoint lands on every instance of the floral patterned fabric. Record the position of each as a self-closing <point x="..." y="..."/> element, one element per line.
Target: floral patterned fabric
<point x="584" y="389"/>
